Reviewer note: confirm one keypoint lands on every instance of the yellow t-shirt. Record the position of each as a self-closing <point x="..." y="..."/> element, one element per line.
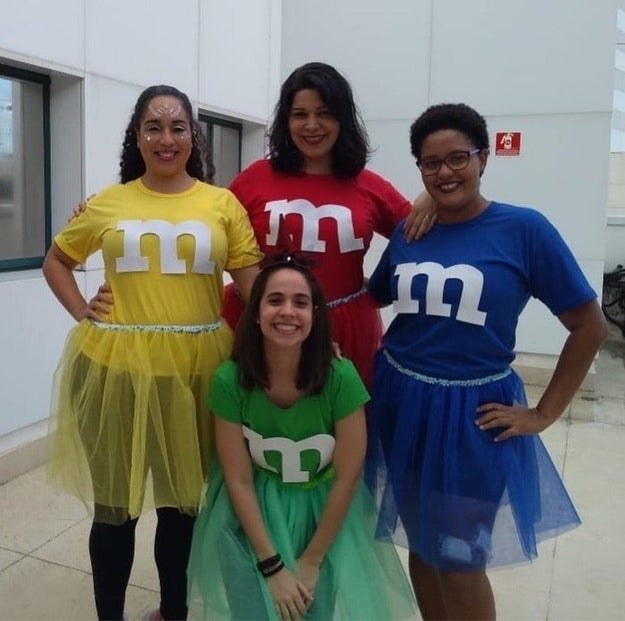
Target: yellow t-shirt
<point x="164" y="254"/>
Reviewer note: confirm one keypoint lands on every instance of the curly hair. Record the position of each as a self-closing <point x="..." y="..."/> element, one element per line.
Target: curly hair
<point x="457" y="116"/>
<point x="249" y="350"/>
<point x="131" y="164"/>
<point x="351" y="150"/>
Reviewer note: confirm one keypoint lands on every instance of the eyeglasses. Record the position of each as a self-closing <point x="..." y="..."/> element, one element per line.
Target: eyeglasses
<point x="456" y="160"/>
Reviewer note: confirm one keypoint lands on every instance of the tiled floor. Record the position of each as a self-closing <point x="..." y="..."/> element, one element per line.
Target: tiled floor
<point x="44" y="568"/>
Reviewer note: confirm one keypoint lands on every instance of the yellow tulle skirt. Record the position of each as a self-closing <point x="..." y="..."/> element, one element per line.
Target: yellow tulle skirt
<point x="130" y="430"/>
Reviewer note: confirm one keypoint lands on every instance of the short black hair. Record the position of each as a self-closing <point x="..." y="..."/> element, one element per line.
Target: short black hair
<point x="131" y="164"/>
<point x="351" y="150"/>
<point x="456" y="116"/>
<point x="249" y="346"/>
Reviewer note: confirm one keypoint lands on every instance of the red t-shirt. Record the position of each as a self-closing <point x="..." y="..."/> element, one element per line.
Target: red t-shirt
<point x="333" y="219"/>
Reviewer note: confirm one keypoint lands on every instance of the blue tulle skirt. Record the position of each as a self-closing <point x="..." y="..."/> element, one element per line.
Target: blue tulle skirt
<point x="444" y="488"/>
<point x="360" y="578"/>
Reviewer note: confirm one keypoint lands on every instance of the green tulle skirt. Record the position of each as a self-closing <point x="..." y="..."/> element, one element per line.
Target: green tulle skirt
<point x="360" y="578"/>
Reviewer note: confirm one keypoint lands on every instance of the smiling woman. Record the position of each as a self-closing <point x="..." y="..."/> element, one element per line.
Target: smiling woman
<point x="313" y="130"/>
<point x="455" y="456"/>
<point x="130" y="427"/>
<point x="315" y="191"/>
<point x="164" y="140"/>
<point x="288" y="533"/>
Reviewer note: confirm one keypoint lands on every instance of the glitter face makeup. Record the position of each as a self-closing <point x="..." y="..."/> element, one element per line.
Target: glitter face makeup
<point x="165" y="109"/>
<point x="178" y="133"/>
<point x="165" y="115"/>
<point x="164" y="138"/>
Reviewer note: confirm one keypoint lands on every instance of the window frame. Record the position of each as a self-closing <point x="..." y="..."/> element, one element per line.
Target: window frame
<point x="211" y="120"/>
<point x="26" y="75"/>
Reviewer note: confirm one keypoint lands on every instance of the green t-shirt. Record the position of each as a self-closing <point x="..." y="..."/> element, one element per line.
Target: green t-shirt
<point x="295" y="442"/>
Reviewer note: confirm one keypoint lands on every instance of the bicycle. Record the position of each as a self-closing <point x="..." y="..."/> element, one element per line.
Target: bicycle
<point x="613" y="298"/>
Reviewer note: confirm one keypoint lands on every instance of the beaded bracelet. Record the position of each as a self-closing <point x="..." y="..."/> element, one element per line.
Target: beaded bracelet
<point x="273" y="571"/>
<point x="268" y="563"/>
<point x="270" y="566"/>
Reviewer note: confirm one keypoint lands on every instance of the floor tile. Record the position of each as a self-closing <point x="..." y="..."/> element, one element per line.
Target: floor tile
<point x="595" y="478"/>
<point x="8" y="557"/>
<point x="25" y="502"/>
<point x="588" y="578"/>
<point x="610" y="411"/>
<point x="34" y="589"/>
<point x="512" y="585"/>
<point x="555" y="439"/>
<point x="70" y="548"/>
<point x="59" y="593"/>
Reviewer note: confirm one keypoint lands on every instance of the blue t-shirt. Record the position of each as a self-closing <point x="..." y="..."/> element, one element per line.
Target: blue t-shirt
<point x="459" y="291"/>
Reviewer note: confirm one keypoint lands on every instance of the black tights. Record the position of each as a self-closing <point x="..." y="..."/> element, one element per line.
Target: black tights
<point x="112" y="550"/>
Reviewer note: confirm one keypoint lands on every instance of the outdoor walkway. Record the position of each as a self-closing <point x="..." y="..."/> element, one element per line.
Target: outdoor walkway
<point x="45" y="573"/>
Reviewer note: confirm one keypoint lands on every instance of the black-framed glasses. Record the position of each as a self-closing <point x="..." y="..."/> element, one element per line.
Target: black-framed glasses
<point x="456" y="160"/>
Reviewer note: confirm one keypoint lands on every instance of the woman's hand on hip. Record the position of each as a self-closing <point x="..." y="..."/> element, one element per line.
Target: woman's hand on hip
<point x="101" y="303"/>
<point x="516" y="420"/>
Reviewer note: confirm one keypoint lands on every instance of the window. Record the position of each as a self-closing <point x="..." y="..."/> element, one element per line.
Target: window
<point x="224" y="143"/>
<point x="24" y="168"/>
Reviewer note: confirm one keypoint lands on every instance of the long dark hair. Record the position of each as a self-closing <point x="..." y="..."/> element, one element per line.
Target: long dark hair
<point x="249" y="345"/>
<point x="351" y="150"/>
<point x="131" y="164"/>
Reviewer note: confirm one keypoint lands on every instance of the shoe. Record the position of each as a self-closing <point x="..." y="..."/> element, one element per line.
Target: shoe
<point x="152" y="615"/>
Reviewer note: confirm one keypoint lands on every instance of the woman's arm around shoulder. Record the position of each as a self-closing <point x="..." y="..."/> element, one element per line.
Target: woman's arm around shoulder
<point x="393" y="207"/>
<point x="422" y="217"/>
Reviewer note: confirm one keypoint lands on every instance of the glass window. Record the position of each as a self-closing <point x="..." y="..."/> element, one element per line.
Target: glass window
<point x="224" y="143"/>
<point x="24" y="168"/>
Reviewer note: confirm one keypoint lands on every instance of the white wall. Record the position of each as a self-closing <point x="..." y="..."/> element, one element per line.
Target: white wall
<point x="615" y="244"/>
<point x="521" y="64"/>
<point x="100" y="55"/>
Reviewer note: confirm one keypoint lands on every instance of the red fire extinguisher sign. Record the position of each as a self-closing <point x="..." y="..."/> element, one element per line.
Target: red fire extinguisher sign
<point x="507" y="143"/>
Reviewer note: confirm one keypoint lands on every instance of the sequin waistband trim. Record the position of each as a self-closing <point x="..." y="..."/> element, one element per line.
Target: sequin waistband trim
<point x="347" y="298"/>
<point x="479" y="381"/>
<point x="193" y="329"/>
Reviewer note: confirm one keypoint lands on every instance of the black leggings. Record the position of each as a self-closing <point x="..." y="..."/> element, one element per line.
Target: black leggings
<point x="112" y="550"/>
